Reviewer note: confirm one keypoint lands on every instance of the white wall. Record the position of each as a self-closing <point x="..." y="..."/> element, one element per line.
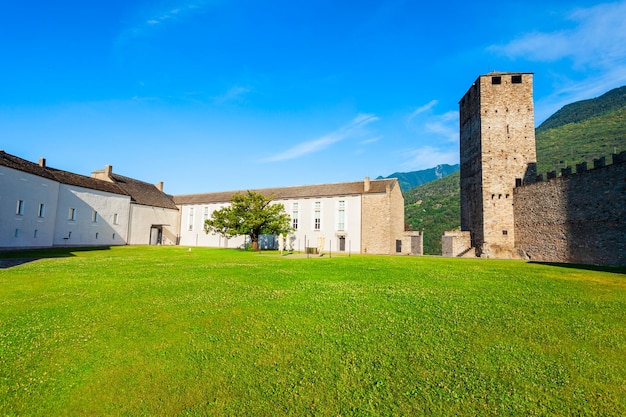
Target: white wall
<point x="192" y="227"/>
<point x="28" y="229"/>
<point x="144" y="217"/>
<point x="108" y="229"/>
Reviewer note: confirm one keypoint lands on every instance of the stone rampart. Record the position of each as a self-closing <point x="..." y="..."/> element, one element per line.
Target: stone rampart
<point x="579" y="218"/>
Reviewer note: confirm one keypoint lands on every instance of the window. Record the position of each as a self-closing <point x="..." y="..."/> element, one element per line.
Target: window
<point x="294" y="216"/>
<point x="36" y="234"/>
<point x="341" y="216"/>
<point x="116" y="218"/>
<point x="496" y="80"/>
<point x="113" y="236"/>
<point x="42" y="210"/>
<point x="97" y="234"/>
<point x="516" y="79"/>
<point x="205" y="216"/>
<point x="20" y="208"/>
<point x="17" y="232"/>
<point x="72" y="214"/>
<point x="505" y="232"/>
<point x="94" y="216"/>
<point x="190" y="220"/>
<point x="318" y="215"/>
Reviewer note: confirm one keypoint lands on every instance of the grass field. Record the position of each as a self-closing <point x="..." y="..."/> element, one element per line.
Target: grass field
<point x="145" y="331"/>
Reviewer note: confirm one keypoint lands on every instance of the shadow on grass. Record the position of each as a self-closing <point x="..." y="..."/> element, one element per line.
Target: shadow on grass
<point x="600" y="268"/>
<point x="13" y="258"/>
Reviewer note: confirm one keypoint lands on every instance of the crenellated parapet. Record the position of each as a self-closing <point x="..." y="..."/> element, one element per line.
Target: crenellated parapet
<point x="581" y="168"/>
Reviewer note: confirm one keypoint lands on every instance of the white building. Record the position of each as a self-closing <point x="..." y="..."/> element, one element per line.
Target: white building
<point x="45" y="207"/>
<point x="358" y="217"/>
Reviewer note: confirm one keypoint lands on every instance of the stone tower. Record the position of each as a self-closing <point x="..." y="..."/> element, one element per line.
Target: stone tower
<point x="497" y="135"/>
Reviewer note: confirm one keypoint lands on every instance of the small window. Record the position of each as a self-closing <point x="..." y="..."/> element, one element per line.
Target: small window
<point x="190" y="220"/>
<point x="294" y="216"/>
<point x="516" y="79"/>
<point x="72" y="214"/>
<point x="97" y="234"/>
<point x="17" y="232"/>
<point x="42" y="210"/>
<point x="318" y="215"/>
<point x="113" y="236"/>
<point x="94" y="216"/>
<point x="505" y="232"/>
<point x="496" y="80"/>
<point x="36" y="234"/>
<point x="20" y="208"/>
<point x="116" y="218"/>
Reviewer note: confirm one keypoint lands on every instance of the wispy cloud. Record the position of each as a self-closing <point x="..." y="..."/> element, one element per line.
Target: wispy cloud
<point x="353" y="128"/>
<point x="597" y="39"/>
<point x="432" y="126"/>
<point x="421" y="110"/>
<point x="428" y="156"/>
<point x="154" y="17"/>
<point x="371" y="140"/>
<point x="236" y="93"/>
<point x="438" y="135"/>
<point x="595" y="43"/>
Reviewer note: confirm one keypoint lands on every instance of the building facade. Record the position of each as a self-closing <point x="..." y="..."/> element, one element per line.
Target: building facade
<point x="357" y="217"/>
<point x="46" y="207"/>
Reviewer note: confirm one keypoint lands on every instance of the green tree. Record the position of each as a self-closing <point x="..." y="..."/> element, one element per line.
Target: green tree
<point x="250" y="214"/>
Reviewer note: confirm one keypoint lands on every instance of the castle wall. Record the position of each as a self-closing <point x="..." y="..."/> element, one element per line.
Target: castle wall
<point x="578" y="218"/>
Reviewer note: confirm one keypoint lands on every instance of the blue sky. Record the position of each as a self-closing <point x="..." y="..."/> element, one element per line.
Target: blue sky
<point x="210" y="95"/>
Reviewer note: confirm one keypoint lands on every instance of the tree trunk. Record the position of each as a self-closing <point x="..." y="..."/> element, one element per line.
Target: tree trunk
<point x="255" y="242"/>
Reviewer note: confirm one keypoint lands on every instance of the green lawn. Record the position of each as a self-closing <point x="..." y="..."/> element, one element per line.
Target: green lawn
<point x="145" y="331"/>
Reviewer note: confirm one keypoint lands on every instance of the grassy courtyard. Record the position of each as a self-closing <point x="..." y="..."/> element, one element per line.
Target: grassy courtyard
<point x="145" y="331"/>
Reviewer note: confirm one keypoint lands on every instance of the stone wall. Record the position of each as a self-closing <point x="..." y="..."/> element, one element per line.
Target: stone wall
<point x="578" y="218"/>
<point x="457" y="244"/>
<point x="383" y="220"/>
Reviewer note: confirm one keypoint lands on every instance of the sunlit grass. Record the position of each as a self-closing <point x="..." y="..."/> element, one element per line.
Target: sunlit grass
<point x="162" y="331"/>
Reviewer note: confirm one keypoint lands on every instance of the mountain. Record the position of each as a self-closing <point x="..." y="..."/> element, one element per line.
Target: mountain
<point x="413" y="179"/>
<point x="433" y="208"/>
<point x="582" y="131"/>
<point x="578" y="132"/>
<point x="586" y="109"/>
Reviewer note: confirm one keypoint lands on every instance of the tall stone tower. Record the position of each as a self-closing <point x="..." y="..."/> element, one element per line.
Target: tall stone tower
<point x="497" y="151"/>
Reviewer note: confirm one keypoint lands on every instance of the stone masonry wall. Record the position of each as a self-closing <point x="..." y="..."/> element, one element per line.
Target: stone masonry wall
<point x="497" y="147"/>
<point x="382" y="221"/>
<point x="578" y="218"/>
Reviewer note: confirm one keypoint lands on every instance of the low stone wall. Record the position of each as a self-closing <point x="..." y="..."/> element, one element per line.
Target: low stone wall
<point x="578" y="218"/>
<point x="457" y="244"/>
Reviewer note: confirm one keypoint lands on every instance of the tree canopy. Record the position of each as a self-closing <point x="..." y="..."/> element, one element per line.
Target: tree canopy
<point x="249" y="214"/>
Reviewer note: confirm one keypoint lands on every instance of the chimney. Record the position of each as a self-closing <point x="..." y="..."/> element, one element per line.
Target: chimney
<point x="42" y="162"/>
<point x="366" y="184"/>
<point x="105" y="174"/>
<point x="159" y="185"/>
